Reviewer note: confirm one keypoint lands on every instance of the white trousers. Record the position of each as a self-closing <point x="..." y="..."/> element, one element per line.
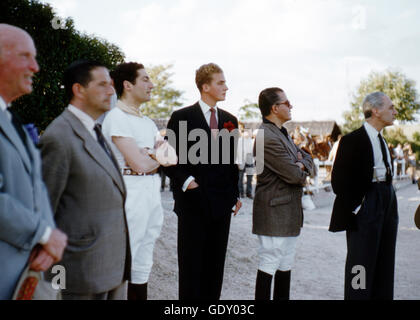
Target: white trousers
<point x="145" y="218"/>
<point x="276" y="253"/>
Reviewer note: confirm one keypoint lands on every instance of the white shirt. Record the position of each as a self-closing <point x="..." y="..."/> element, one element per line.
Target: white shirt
<point x="4" y="106"/>
<point x="46" y="236"/>
<point x="118" y="123"/>
<point x="86" y="120"/>
<point x="205" y="108"/>
<point x="379" y="169"/>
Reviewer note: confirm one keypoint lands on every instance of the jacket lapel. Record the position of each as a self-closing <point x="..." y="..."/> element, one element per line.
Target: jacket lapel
<point x="286" y="141"/>
<point x="200" y="118"/>
<point x="220" y="118"/>
<point x="11" y="134"/>
<point x="94" y="149"/>
<point x="366" y="141"/>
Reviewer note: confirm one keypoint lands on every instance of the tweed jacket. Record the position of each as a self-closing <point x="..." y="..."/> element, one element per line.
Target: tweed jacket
<point x="87" y="195"/>
<point x="25" y="210"/>
<point x="277" y="209"/>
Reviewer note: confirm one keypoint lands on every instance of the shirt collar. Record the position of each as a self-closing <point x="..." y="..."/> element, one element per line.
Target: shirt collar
<point x="205" y="107"/>
<point x="86" y="119"/>
<point x="371" y="130"/>
<point x="3" y="105"/>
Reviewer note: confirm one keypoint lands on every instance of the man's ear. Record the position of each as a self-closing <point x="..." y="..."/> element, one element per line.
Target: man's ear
<point x="78" y="90"/>
<point x="127" y="85"/>
<point x="205" y="87"/>
<point x="273" y="109"/>
<point x="375" y="112"/>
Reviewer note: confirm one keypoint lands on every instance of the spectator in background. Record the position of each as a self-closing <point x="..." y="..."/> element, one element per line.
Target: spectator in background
<point x="411" y="162"/>
<point x="245" y="161"/>
<point x="399" y="156"/>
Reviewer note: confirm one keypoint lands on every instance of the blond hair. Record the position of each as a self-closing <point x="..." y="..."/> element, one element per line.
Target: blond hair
<point x="204" y="74"/>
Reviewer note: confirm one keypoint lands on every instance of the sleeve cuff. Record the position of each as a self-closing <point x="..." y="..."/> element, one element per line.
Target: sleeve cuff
<point x="187" y="182"/>
<point x="46" y="236"/>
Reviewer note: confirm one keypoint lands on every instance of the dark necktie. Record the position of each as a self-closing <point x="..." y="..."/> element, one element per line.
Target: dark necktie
<point x="213" y="122"/>
<point x="19" y="128"/>
<point x="385" y="159"/>
<point x="104" y="145"/>
<point x="284" y="131"/>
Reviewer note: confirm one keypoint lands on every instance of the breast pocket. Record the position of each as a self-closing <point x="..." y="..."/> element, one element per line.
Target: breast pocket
<point x="284" y="199"/>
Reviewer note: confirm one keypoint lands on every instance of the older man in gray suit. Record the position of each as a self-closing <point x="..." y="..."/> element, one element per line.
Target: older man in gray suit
<point x="87" y="190"/>
<point x="277" y="211"/>
<point x="26" y="222"/>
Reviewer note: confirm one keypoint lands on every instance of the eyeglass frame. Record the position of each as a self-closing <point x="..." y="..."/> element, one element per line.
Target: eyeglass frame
<point x="287" y="103"/>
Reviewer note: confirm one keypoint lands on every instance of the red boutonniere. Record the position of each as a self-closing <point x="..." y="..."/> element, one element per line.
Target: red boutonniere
<point x="229" y="125"/>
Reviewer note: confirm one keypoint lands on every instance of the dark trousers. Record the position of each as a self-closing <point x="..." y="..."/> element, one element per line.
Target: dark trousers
<point x="202" y="243"/>
<point x="248" y="182"/>
<point x="369" y="271"/>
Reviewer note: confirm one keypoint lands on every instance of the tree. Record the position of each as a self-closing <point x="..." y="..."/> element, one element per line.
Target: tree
<point x="249" y="111"/>
<point x="395" y="85"/>
<point x="164" y="98"/>
<point x="57" y="47"/>
<point x="395" y="136"/>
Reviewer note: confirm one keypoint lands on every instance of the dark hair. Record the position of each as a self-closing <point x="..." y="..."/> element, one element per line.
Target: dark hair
<point x="267" y="98"/>
<point x="79" y="72"/>
<point x="125" y="72"/>
<point x="204" y="74"/>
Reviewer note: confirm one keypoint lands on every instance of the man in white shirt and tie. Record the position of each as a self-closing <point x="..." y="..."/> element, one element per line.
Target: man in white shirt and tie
<point x="366" y="205"/>
<point x="204" y="192"/>
<point x="86" y="189"/>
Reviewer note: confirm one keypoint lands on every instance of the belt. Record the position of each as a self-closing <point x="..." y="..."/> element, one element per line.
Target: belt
<point x="130" y="172"/>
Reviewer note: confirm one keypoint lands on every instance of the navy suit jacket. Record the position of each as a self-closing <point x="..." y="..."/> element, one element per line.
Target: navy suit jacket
<point x="351" y="178"/>
<point x="218" y="183"/>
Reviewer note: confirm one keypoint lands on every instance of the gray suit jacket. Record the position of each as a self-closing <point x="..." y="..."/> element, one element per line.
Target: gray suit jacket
<point x="87" y="196"/>
<point x="25" y="210"/>
<point x="277" y="209"/>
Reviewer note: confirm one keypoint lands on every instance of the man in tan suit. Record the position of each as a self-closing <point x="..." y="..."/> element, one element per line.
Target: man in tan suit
<point x="277" y="211"/>
<point x="86" y="189"/>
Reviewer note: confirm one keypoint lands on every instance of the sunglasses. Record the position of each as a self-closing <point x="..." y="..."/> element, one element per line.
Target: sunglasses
<point x="287" y="103"/>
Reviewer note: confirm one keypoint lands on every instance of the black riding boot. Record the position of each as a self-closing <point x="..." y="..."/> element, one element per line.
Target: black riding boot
<point x="137" y="291"/>
<point x="282" y="285"/>
<point x="263" y="286"/>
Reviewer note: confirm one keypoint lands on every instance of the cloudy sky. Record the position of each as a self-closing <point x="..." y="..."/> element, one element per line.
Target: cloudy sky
<point x="317" y="51"/>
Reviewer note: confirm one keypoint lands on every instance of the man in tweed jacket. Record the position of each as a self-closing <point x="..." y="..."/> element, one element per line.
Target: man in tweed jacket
<point x="277" y="211"/>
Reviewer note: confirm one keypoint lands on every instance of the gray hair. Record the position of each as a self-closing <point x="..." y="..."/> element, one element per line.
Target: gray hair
<point x="373" y="100"/>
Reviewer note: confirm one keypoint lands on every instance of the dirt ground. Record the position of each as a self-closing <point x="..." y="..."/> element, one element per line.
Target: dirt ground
<point x="319" y="265"/>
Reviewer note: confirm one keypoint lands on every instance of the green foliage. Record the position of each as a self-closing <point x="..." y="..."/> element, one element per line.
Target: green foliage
<point x="396" y="85"/>
<point x="249" y="111"/>
<point x="56" y="49"/>
<point x="395" y="136"/>
<point x="164" y="98"/>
